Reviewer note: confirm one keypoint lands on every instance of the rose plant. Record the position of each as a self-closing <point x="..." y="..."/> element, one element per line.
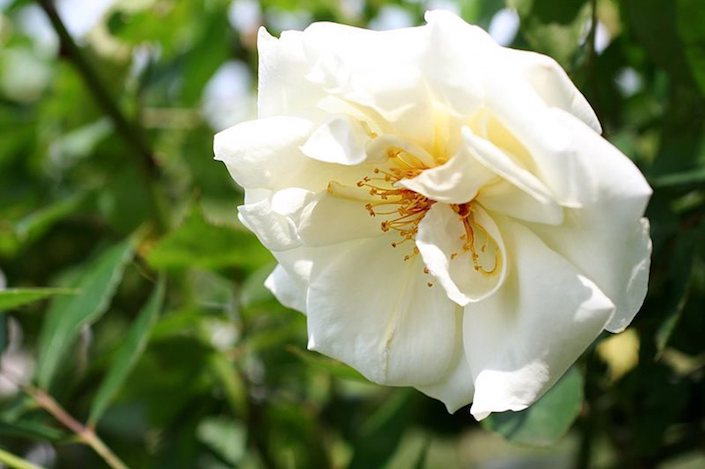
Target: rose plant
<point x="443" y="209"/>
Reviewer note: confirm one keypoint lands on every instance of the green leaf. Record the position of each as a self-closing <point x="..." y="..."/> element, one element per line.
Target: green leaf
<point x="15" y="462"/>
<point x="690" y="19"/>
<point x="15" y="297"/>
<point x="225" y="437"/>
<point x="32" y="430"/>
<point x="547" y="419"/>
<point x="199" y="243"/>
<point x="37" y="223"/>
<point x="131" y="349"/>
<point x="68" y="315"/>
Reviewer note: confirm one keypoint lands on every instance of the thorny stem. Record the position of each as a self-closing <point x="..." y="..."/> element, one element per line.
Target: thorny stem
<point x="84" y="433"/>
<point x="131" y="133"/>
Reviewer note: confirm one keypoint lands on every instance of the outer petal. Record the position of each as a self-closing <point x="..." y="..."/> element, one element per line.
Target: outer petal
<point x="522" y="339"/>
<point x="288" y="289"/>
<point x="264" y="153"/>
<point x="439" y="240"/>
<point x="456" y="389"/>
<point x="551" y="82"/>
<point x="374" y="311"/>
<point x="606" y="237"/>
<point x="376" y="70"/>
<point x="455" y="182"/>
<point x="277" y="232"/>
<point x="283" y="88"/>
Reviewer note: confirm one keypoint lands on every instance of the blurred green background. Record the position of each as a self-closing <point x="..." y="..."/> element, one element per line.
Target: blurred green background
<point x="134" y="301"/>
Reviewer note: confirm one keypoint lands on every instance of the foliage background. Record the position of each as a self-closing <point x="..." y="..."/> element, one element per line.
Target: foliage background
<point x="134" y="300"/>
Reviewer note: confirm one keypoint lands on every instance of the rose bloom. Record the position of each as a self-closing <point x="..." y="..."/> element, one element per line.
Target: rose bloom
<point x="443" y="209"/>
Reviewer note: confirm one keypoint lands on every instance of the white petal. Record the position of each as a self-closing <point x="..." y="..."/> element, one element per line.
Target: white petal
<point x="264" y="153"/>
<point x="455" y="182"/>
<point x="288" y="289"/>
<point x="543" y="208"/>
<point x="275" y="231"/>
<point x="520" y="340"/>
<point x="283" y="88"/>
<point x="552" y="83"/>
<point x="456" y="389"/>
<point x="441" y="247"/>
<point x="377" y="70"/>
<point x="374" y="311"/>
<point x="456" y="61"/>
<point x="331" y="219"/>
<point x="605" y="237"/>
<point x="339" y="140"/>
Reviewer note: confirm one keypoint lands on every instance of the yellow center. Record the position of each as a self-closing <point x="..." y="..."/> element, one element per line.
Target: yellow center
<point x="403" y="209"/>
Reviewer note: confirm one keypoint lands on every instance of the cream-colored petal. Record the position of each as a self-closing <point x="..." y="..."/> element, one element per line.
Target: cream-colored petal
<point x="440" y="239"/>
<point x="277" y="232"/>
<point x="606" y="237"/>
<point x="455" y="182"/>
<point x="288" y="289"/>
<point x="456" y="389"/>
<point x="374" y="311"/>
<point x="282" y="85"/>
<point x="330" y="219"/>
<point x="520" y="340"/>
<point x="340" y="140"/>
<point x="552" y="83"/>
<point x="543" y="208"/>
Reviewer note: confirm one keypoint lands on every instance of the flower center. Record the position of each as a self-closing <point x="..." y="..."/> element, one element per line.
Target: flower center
<point x="403" y="207"/>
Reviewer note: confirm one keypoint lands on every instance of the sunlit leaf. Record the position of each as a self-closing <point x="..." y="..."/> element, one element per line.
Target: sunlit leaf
<point x="199" y="243"/>
<point x="68" y="315"/>
<point x="15" y="297"/>
<point x="545" y="421"/>
<point x="226" y="437"/>
<point x="128" y="353"/>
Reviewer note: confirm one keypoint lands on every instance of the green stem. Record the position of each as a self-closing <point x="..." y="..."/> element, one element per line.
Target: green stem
<point x="15" y="462"/>
<point x="85" y="434"/>
<point x="131" y="134"/>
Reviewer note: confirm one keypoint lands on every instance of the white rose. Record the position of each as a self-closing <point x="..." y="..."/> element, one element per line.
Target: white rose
<point x="443" y="209"/>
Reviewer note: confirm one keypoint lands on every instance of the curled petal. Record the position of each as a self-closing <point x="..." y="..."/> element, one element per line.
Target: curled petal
<point x="532" y="201"/>
<point x="455" y="182"/>
<point x="522" y="339"/>
<point x="444" y="244"/>
<point x="339" y="140"/>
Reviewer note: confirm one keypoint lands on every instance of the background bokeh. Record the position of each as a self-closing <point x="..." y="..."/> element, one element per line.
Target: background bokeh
<point x="133" y="299"/>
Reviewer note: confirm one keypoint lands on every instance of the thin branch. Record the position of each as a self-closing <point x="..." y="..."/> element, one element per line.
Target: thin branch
<point x="131" y="133"/>
<point x="71" y="52"/>
<point x="85" y="434"/>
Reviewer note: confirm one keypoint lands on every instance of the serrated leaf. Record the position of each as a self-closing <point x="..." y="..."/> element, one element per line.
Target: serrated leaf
<point x="131" y="349"/>
<point x="547" y="419"/>
<point x="15" y="462"/>
<point x="15" y="297"/>
<point x="68" y="315"/>
<point x="199" y="243"/>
